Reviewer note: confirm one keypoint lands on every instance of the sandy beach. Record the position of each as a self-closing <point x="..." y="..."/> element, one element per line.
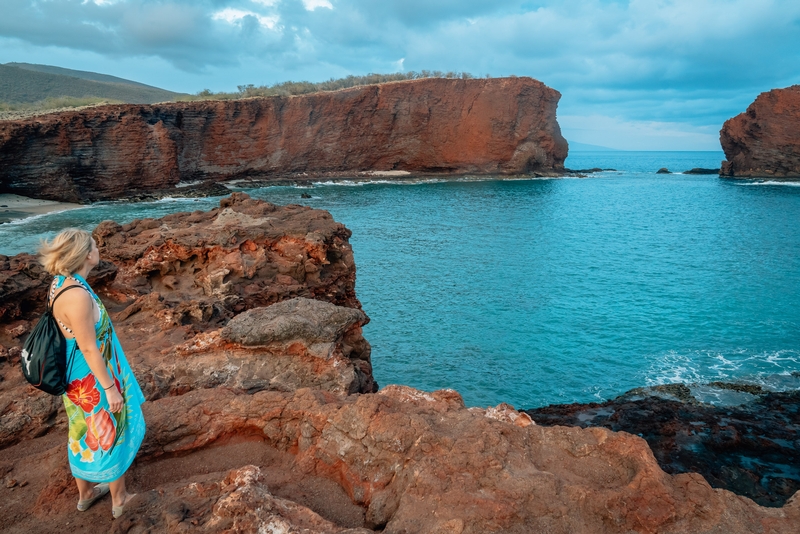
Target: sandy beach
<point x="14" y="207"/>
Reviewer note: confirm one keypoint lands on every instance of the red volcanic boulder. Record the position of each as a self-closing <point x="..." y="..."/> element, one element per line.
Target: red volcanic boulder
<point x="764" y="141"/>
<point x="483" y="126"/>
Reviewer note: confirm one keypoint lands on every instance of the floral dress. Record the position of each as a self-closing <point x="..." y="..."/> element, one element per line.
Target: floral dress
<point x="102" y="444"/>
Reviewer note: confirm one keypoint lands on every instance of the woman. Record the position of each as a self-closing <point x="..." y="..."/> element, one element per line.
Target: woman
<point x="103" y="399"/>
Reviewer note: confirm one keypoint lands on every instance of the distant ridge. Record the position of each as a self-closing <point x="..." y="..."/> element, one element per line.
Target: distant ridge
<point x="82" y="74"/>
<point x="24" y="83"/>
<point x="574" y="146"/>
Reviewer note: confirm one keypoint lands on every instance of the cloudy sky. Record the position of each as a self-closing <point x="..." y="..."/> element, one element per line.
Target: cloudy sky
<point x="638" y="74"/>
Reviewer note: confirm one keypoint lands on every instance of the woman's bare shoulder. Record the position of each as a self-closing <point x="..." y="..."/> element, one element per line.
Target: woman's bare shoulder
<point x="72" y="297"/>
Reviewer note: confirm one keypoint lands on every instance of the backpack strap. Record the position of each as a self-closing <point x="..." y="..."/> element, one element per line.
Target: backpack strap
<point x="51" y="304"/>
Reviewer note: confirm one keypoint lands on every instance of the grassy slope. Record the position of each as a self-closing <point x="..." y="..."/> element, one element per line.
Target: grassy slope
<point x="26" y="86"/>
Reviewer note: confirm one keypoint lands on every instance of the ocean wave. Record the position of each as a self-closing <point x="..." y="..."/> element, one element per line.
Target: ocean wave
<point x="771" y="182"/>
<point x="32" y="218"/>
<point x="351" y="183"/>
<point x="773" y="371"/>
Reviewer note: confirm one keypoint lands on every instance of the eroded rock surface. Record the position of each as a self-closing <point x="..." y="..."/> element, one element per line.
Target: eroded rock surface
<point x="410" y="461"/>
<point x="430" y="126"/>
<point x="764" y="141"/>
<point x="172" y="284"/>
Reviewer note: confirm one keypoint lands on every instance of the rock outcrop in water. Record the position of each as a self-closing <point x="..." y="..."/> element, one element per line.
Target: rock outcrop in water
<point x="243" y="327"/>
<point x="429" y="126"/>
<point x="764" y="141"/>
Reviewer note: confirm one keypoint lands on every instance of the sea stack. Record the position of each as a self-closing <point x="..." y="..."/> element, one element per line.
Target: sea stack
<point x="430" y="126"/>
<point x="764" y="141"/>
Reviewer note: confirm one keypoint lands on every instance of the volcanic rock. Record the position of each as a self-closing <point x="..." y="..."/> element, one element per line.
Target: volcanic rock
<point x="663" y="170"/>
<point x="700" y="170"/>
<point x="428" y="126"/>
<point x="752" y="449"/>
<point x="764" y="141"/>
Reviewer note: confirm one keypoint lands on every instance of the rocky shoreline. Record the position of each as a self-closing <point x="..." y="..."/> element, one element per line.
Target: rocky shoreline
<point x="245" y="331"/>
<point x="748" y="444"/>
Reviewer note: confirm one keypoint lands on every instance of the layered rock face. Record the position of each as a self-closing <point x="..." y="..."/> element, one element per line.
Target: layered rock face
<point x="260" y="416"/>
<point x="764" y="141"/>
<point x="502" y="125"/>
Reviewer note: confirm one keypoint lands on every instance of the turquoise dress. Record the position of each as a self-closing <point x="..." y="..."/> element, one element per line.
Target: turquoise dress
<point x="102" y="444"/>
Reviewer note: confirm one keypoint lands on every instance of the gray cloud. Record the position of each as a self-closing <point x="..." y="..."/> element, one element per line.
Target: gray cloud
<point x="697" y="61"/>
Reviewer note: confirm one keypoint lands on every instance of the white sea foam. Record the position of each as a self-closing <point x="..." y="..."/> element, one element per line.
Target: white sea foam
<point x="774" y="370"/>
<point x="189" y="184"/>
<point x="31" y="218"/>
<point x="771" y="182"/>
<point x="351" y="183"/>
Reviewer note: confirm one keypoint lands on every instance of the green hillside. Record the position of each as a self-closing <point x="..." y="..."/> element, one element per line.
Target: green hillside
<point x="27" y="84"/>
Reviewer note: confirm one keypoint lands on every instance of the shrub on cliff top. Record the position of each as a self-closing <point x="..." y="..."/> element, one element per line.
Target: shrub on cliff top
<point x="303" y="88"/>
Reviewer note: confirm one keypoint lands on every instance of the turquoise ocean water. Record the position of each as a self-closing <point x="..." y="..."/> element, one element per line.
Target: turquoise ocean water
<point x="535" y="292"/>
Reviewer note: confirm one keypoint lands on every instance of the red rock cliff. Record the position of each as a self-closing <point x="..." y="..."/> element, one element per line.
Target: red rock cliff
<point x="764" y="141"/>
<point x="484" y="126"/>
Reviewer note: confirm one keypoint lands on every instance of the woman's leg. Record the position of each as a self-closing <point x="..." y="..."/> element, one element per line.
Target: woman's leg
<point x="85" y="489"/>
<point x="119" y="493"/>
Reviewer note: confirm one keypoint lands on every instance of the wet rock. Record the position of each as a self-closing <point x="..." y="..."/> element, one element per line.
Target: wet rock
<point x="752" y="449"/>
<point x="663" y="170"/>
<point x="700" y="170"/>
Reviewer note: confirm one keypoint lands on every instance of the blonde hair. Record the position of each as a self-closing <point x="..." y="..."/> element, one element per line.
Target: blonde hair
<point x="67" y="251"/>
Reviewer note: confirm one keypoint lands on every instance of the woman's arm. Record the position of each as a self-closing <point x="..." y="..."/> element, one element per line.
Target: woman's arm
<point x="78" y="312"/>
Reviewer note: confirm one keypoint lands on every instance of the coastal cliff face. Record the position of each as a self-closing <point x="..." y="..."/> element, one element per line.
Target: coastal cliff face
<point x="262" y="415"/>
<point x="764" y="141"/>
<point x="429" y="126"/>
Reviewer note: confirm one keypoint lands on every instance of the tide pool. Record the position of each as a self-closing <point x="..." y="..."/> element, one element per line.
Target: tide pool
<point x="535" y="292"/>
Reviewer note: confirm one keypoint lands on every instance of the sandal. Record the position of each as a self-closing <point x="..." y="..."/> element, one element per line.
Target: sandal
<point x="97" y="492"/>
<point x="116" y="511"/>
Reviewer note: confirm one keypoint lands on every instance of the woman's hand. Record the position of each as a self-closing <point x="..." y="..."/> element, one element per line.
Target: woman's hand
<point x="115" y="401"/>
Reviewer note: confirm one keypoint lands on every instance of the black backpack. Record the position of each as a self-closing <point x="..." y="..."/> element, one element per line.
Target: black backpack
<point x="44" y="354"/>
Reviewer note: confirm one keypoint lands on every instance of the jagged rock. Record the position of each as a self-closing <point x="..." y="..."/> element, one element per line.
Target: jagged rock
<point x="428" y="126"/>
<point x="173" y="283"/>
<point x="238" y="502"/>
<point x="764" y="141"/>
